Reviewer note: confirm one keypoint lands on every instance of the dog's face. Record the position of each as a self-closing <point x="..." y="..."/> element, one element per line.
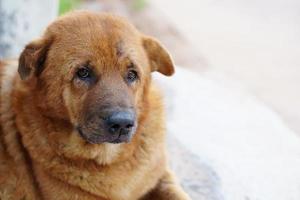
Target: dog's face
<point x="93" y="71"/>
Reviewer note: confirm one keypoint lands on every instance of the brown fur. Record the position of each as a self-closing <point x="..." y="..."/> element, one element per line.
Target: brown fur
<point x="42" y="155"/>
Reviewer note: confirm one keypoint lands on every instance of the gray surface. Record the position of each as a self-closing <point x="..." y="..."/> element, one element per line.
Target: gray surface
<point x="22" y="21"/>
<point x="197" y="177"/>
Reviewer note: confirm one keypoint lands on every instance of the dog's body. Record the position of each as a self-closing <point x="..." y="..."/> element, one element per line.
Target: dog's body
<point x="54" y="140"/>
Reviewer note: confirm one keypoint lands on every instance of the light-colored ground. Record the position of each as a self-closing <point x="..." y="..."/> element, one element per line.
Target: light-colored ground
<point x="254" y="41"/>
<point x="243" y="150"/>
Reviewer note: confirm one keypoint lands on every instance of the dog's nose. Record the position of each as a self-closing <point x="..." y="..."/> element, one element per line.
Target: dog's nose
<point x="121" y="122"/>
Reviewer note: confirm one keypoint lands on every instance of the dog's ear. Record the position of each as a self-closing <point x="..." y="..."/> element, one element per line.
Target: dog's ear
<point x="160" y="59"/>
<point x="32" y="59"/>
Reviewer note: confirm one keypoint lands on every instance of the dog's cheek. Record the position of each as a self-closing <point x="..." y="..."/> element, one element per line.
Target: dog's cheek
<point x="140" y="96"/>
<point x="72" y="103"/>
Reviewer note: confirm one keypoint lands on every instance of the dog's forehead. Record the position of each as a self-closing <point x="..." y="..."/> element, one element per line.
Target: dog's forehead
<point x="89" y="27"/>
<point x="98" y="33"/>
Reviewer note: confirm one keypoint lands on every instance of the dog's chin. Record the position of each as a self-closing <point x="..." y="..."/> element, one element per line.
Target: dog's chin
<point x="94" y="138"/>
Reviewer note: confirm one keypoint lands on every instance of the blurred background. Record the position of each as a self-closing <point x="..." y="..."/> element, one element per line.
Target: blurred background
<point x="234" y="104"/>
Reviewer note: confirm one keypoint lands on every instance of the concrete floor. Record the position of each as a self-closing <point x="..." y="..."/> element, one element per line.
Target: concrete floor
<point x="254" y="41"/>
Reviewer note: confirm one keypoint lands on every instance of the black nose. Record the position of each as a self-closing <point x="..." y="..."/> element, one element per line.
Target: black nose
<point x="120" y="122"/>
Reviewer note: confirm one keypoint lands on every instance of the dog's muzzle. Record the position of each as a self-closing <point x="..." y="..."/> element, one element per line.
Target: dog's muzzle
<point x="117" y="127"/>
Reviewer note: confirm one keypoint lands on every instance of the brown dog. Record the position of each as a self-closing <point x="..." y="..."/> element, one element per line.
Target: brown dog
<point x="83" y="120"/>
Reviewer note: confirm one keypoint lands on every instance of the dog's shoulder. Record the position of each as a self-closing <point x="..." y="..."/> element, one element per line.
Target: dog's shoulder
<point x="8" y="178"/>
<point x="12" y="180"/>
<point x="7" y="73"/>
<point x="8" y="70"/>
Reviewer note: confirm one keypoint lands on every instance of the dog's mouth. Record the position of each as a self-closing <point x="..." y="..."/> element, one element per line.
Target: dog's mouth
<point x="99" y="138"/>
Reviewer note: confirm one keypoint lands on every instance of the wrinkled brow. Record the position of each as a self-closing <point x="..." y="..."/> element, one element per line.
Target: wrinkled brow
<point x="120" y="49"/>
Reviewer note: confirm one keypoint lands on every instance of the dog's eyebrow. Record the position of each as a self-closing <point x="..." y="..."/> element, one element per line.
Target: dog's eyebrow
<point x="86" y="64"/>
<point x="119" y="48"/>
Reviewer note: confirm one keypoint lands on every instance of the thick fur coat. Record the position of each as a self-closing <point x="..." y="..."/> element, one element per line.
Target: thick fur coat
<point x="54" y="143"/>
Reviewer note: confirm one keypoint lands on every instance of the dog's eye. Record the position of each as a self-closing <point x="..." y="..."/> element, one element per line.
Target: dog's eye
<point x="131" y="76"/>
<point x="83" y="73"/>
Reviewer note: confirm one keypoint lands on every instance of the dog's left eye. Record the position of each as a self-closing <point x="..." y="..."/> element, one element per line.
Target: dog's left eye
<point x="83" y="73"/>
<point x="131" y="76"/>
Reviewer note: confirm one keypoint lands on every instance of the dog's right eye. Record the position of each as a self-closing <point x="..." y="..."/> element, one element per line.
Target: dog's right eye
<point x="83" y="73"/>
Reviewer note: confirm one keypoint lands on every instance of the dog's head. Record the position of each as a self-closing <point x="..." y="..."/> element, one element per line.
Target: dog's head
<point x="93" y="70"/>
